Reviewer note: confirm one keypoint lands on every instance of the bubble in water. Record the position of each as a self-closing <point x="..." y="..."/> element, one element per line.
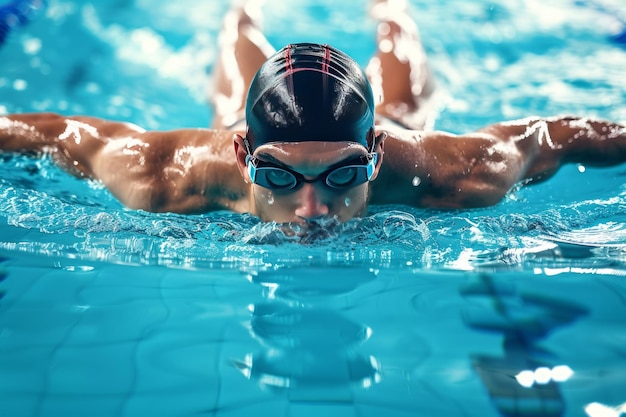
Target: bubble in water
<point x="416" y="181"/>
<point x="347" y="201"/>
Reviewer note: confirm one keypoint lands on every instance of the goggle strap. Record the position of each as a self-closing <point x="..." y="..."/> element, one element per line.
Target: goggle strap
<point x="251" y="168"/>
<point x="371" y="166"/>
<point x="246" y="143"/>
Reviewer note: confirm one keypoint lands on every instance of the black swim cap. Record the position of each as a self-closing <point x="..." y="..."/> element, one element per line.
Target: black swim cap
<point x="309" y="92"/>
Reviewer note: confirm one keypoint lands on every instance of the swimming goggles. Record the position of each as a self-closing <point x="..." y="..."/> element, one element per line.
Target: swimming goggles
<point x="277" y="177"/>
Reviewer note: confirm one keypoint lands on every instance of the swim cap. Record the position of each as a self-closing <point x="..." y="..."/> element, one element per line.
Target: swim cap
<point x="309" y="92"/>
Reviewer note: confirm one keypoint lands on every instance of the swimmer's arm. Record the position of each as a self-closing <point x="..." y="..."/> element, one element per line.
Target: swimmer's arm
<point x="175" y="171"/>
<point x="75" y="143"/>
<point x="531" y="150"/>
<point x="546" y="144"/>
<point x="445" y="171"/>
<point x="442" y="170"/>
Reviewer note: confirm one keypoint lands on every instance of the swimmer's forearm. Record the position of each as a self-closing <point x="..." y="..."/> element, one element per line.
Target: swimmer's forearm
<point x="34" y="131"/>
<point x="587" y="141"/>
<point x="67" y="140"/>
<point x="547" y="143"/>
<point x="31" y="132"/>
<point x="74" y="142"/>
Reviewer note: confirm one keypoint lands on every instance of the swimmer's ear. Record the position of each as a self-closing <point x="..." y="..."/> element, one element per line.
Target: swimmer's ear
<point x="240" y="154"/>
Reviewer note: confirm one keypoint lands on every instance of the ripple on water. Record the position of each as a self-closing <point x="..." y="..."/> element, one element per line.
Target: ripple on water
<point x="389" y="236"/>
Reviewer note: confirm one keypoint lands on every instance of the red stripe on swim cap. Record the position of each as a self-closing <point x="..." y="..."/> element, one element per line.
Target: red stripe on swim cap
<point x="289" y="69"/>
<point x="326" y="63"/>
<point x="288" y="60"/>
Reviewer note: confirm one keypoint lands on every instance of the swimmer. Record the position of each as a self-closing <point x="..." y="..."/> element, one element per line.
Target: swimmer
<point x="298" y="136"/>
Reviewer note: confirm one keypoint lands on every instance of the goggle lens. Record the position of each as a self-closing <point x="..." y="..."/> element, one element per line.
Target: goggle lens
<point x="276" y="177"/>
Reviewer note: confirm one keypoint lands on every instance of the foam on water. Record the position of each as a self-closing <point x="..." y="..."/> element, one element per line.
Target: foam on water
<point x="56" y="215"/>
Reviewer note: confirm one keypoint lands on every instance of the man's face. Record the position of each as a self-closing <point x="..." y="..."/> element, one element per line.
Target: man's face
<point x="312" y="199"/>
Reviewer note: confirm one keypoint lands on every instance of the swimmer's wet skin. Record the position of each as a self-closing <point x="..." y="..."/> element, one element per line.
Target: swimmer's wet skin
<point x="311" y="151"/>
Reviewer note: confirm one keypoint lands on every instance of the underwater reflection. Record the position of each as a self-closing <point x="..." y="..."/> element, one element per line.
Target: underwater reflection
<point x="310" y="285"/>
<point x="523" y="381"/>
<point x="309" y="349"/>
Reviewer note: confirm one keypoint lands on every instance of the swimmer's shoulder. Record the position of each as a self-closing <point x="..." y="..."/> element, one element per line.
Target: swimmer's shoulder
<point x="192" y="137"/>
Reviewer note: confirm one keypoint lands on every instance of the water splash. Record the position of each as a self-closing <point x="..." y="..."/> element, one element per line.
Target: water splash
<point x="63" y="216"/>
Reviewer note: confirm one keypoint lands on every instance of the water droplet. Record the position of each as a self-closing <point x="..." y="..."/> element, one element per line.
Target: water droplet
<point x="270" y="199"/>
<point x="78" y="268"/>
<point x="416" y="181"/>
<point x="581" y="168"/>
<point x="347" y="201"/>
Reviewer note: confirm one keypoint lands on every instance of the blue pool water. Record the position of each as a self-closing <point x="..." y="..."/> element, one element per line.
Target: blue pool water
<point x="518" y="309"/>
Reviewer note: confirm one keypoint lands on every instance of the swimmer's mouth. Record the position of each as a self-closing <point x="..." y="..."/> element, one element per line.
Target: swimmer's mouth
<point x="311" y="230"/>
<point x="307" y="233"/>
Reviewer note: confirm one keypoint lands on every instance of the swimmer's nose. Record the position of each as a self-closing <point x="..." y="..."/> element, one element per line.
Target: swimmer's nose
<point x="310" y="205"/>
